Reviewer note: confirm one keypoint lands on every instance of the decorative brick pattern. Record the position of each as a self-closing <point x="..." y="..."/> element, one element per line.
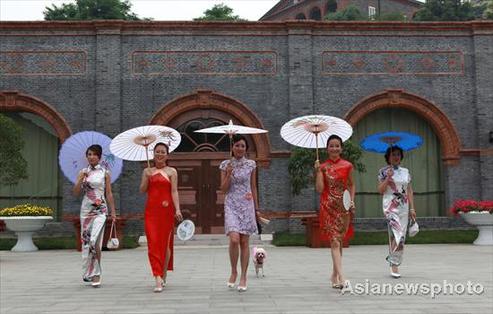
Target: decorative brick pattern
<point x="42" y="63"/>
<point x="204" y="62"/>
<point x="392" y="62"/>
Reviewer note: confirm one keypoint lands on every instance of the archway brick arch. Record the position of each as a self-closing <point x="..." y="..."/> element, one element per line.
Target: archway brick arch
<point x="207" y="99"/>
<point x="396" y="98"/>
<point x="16" y="101"/>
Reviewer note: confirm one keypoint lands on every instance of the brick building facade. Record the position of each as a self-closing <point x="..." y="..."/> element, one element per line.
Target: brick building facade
<point x="318" y="9"/>
<point x="110" y="76"/>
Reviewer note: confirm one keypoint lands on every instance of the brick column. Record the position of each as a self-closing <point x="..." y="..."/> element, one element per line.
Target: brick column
<point x="300" y="54"/>
<point x="108" y="85"/>
<point x="483" y="54"/>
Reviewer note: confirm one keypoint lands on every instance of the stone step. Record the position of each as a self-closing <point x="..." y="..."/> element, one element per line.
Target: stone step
<point x="214" y="240"/>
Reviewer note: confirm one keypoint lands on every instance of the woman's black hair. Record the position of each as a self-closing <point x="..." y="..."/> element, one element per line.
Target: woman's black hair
<point x="392" y="149"/>
<point x="238" y="137"/>
<point x="96" y="149"/>
<point x="161" y="143"/>
<point x="333" y="136"/>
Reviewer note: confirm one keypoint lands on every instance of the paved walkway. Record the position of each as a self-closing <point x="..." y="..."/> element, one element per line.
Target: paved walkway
<point x="296" y="282"/>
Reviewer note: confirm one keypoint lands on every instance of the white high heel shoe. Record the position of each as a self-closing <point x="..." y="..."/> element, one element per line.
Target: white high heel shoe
<point x="242" y="288"/>
<point x="161" y="286"/>
<point x="394" y="274"/>
<point x="230" y="284"/>
<point x="96" y="284"/>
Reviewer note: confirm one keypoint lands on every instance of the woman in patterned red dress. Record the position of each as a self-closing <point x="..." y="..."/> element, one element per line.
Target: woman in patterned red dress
<point x="333" y="177"/>
<point x="162" y="206"/>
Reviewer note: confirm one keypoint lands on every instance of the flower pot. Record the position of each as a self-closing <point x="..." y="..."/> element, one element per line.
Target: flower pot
<point x="484" y="222"/>
<point x="24" y="226"/>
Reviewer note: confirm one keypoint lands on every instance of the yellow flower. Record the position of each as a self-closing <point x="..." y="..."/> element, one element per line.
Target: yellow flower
<point x="26" y="210"/>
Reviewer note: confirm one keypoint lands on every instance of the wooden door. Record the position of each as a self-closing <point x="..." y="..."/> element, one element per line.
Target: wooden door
<point x="199" y="189"/>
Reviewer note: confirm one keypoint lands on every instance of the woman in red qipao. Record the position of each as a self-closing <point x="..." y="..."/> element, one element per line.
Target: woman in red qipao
<point x="162" y="206"/>
<point x="333" y="177"/>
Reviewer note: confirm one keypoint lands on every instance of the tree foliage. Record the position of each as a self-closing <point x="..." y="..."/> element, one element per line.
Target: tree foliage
<point x="219" y="12"/>
<point x="488" y="10"/>
<point x="446" y="10"/>
<point x="91" y="10"/>
<point x="350" y="13"/>
<point x="13" y="167"/>
<point x="301" y="163"/>
<point x="391" y="16"/>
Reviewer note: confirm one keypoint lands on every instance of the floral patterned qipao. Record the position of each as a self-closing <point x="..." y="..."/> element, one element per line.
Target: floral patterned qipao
<point x="92" y="219"/>
<point x="239" y="207"/>
<point x="396" y="210"/>
<point x="334" y="218"/>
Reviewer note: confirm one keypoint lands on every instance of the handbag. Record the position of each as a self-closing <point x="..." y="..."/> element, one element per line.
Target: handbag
<point x="413" y="228"/>
<point x="113" y="242"/>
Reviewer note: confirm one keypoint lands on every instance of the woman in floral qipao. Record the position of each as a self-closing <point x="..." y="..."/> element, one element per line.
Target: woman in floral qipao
<point x="332" y="178"/>
<point x="394" y="183"/>
<point x="238" y="182"/>
<point x="95" y="183"/>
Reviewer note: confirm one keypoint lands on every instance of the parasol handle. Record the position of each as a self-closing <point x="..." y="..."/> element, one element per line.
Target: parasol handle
<point x="316" y="143"/>
<point x="231" y="145"/>
<point x="146" y="147"/>
<point x="147" y="156"/>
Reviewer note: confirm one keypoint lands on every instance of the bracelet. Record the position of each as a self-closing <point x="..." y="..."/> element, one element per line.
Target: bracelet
<point x="412" y="209"/>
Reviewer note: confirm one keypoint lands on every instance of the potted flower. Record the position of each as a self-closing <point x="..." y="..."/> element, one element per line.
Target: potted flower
<point x="479" y="214"/>
<point x="24" y="220"/>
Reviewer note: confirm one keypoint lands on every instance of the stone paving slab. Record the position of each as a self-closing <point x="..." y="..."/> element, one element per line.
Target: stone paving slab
<point x="297" y="281"/>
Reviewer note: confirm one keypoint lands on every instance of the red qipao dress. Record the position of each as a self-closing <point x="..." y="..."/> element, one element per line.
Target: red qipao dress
<point x="334" y="218"/>
<point x="159" y="220"/>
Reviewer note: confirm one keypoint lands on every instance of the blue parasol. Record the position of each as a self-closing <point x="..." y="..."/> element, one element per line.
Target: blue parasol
<point x="379" y="142"/>
<point x="72" y="157"/>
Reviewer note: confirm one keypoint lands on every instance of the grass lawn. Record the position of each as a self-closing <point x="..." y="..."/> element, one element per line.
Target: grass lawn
<point x="381" y="237"/>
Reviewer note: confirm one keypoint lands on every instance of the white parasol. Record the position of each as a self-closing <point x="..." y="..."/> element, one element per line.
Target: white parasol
<point x="137" y="144"/>
<point x="309" y="131"/>
<point x="231" y="129"/>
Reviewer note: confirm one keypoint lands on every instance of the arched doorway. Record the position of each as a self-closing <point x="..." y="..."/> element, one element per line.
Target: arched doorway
<point x="43" y="131"/>
<point x="402" y="111"/>
<point x="198" y="157"/>
<point x="423" y="163"/>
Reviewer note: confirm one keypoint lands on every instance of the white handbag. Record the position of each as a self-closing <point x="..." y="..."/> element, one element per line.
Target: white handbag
<point x="113" y="242"/>
<point x="413" y="228"/>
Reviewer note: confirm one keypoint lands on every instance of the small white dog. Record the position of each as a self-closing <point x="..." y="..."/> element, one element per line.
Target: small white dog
<point x="259" y="255"/>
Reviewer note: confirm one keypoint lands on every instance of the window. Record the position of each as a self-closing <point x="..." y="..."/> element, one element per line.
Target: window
<point x="372" y="12"/>
<point x="315" y="14"/>
<point x="202" y="142"/>
<point x="331" y="6"/>
<point x="300" y="16"/>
